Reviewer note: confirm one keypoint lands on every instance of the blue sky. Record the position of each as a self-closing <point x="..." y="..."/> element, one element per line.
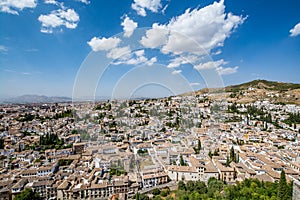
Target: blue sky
<point x="46" y="44"/>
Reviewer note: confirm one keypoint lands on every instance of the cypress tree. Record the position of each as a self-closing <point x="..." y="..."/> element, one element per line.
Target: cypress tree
<point x="282" y="187"/>
<point x="227" y="162"/>
<point x="199" y="145"/>
<point x="232" y="154"/>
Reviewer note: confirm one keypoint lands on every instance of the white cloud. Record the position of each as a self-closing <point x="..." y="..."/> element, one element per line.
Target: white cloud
<point x="196" y="31"/>
<point x="181" y="60"/>
<point x="194" y="84"/>
<point x="50" y="20"/>
<point x="155" y="37"/>
<point x="68" y="18"/>
<point x="118" y="52"/>
<point x="85" y="1"/>
<point x="54" y="2"/>
<point x="218" y="52"/>
<point x="210" y="65"/>
<point x="3" y="48"/>
<point x="103" y="44"/>
<point x="138" y="57"/>
<point x="295" y="31"/>
<point x="176" y="72"/>
<point x="13" y="6"/>
<point x="217" y="66"/>
<point x="51" y="2"/>
<point x="151" y="61"/>
<point x="140" y="6"/>
<point x="128" y="26"/>
<point x="226" y="71"/>
<point x="70" y="15"/>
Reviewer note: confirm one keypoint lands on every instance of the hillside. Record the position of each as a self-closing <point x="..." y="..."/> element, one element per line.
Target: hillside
<point x="263" y="84"/>
<point x="257" y="90"/>
<point x="263" y="90"/>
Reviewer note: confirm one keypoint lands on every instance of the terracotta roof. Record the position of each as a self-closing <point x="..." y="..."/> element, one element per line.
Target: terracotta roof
<point x="182" y="169"/>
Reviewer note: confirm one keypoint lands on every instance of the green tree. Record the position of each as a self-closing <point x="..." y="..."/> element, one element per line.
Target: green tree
<point x="156" y="191"/>
<point x="156" y="198"/>
<point x="227" y="161"/>
<point x="165" y="192"/>
<point x="214" y="187"/>
<point x="139" y="196"/>
<point x="184" y="197"/>
<point x="199" y="145"/>
<point x="282" y="187"/>
<point x="181" y="185"/>
<point x="200" y="187"/>
<point x="181" y="161"/>
<point x="1" y="143"/>
<point x="27" y="194"/>
<point x="216" y="152"/>
<point x="169" y="198"/>
<point x="232" y="154"/>
<point x="210" y="154"/>
<point x="190" y="186"/>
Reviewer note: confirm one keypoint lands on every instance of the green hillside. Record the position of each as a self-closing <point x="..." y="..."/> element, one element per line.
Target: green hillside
<point x="264" y="84"/>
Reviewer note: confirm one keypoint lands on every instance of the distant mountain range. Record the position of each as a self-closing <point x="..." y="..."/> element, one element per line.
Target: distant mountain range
<point x="35" y="99"/>
<point x="287" y="93"/>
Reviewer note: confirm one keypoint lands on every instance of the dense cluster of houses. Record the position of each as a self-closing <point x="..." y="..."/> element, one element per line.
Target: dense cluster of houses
<point x="122" y="147"/>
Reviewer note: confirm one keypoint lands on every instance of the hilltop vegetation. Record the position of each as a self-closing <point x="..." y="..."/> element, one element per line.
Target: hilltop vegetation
<point x="249" y="189"/>
<point x="263" y="84"/>
<point x="256" y="90"/>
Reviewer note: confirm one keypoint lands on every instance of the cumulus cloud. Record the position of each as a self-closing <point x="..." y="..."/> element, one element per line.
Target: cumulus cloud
<point x="181" y="60"/>
<point x="176" y="72"/>
<point x="218" y="66"/>
<point x="151" y="61"/>
<point x="138" y="57"/>
<point x="54" y="2"/>
<point x="128" y="26"/>
<point x="118" y="52"/>
<point x="111" y="45"/>
<point x="103" y="44"/>
<point x="226" y="71"/>
<point x="295" y="31"/>
<point x="140" y="6"/>
<point x="196" y="31"/>
<point x="68" y="18"/>
<point x="210" y="65"/>
<point x="155" y="37"/>
<point x="13" y="6"/>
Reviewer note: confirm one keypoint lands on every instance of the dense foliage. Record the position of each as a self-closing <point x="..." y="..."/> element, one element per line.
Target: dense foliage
<point x="67" y="113"/>
<point x="294" y="118"/>
<point x="116" y="172"/>
<point x="51" y="141"/>
<point x="27" y="194"/>
<point x="215" y="189"/>
<point x="64" y="162"/>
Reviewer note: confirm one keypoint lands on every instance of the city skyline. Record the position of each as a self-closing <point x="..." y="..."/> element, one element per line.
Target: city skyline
<point x="43" y="44"/>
